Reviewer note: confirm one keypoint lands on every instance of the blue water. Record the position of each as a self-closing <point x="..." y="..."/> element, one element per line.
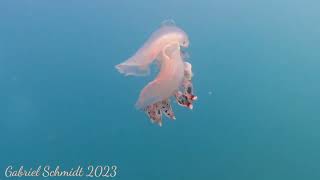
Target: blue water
<point x="256" y="66"/>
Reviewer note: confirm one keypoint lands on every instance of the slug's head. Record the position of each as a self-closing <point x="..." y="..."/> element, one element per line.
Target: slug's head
<point x="184" y="41"/>
<point x="182" y="38"/>
<point x="169" y="26"/>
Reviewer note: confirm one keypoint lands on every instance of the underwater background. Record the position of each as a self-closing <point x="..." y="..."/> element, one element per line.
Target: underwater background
<point x="256" y="66"/>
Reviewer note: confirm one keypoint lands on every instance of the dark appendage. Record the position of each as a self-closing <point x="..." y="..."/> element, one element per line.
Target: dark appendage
<point x="154" y="113"/>
<point x="167" y="109"/>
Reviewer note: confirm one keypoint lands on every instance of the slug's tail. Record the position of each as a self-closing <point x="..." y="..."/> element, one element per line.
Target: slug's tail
<point x="133" y="69"/>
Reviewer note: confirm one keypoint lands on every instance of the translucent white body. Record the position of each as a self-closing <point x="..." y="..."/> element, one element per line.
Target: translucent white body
<point x="138" y="64"/>
<point x="167" y="81"/>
